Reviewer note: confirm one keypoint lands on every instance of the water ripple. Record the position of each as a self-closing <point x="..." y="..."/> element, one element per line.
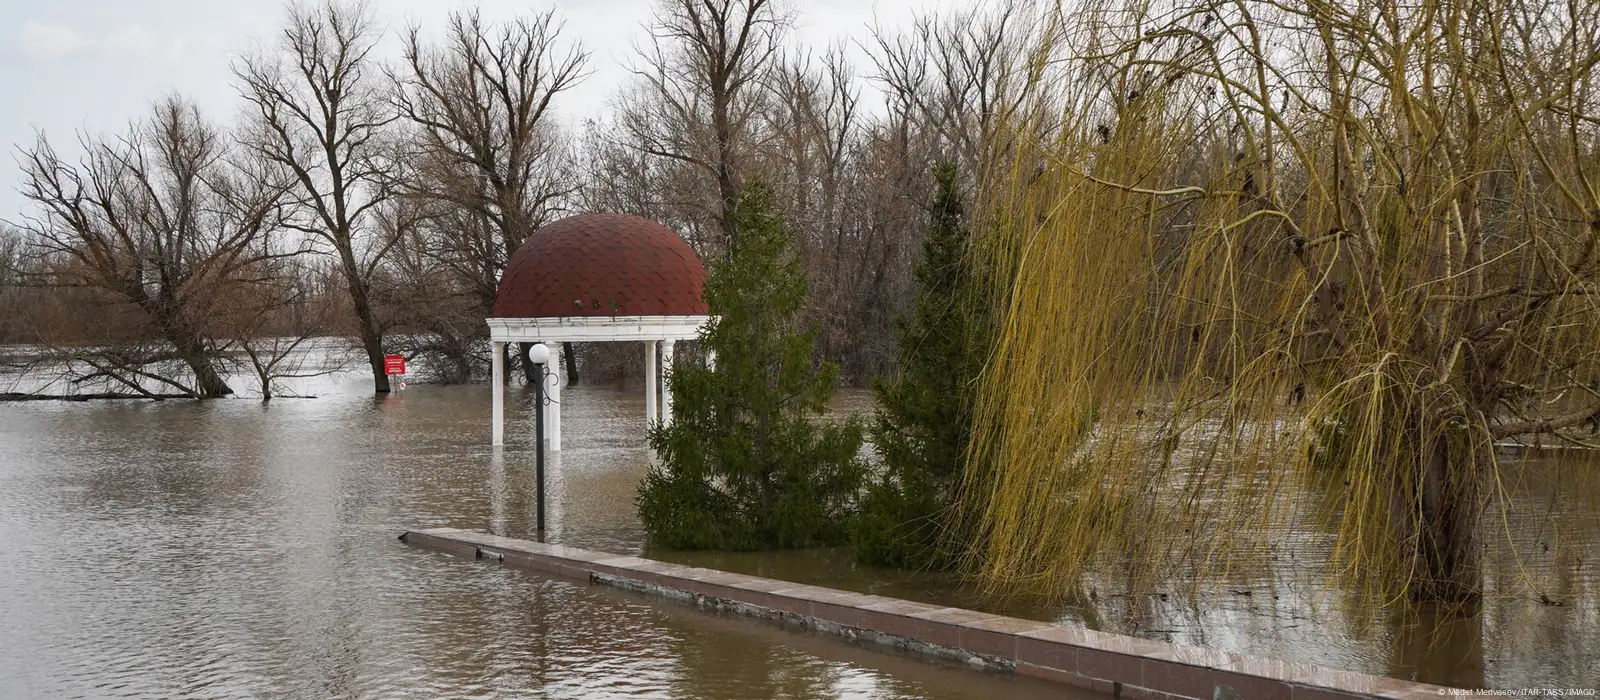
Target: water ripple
<point x="234" y="550"/>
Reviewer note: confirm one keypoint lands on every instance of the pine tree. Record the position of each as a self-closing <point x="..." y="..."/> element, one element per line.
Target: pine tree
<point x="924" y="415"/>
<point x="745" y="465"/>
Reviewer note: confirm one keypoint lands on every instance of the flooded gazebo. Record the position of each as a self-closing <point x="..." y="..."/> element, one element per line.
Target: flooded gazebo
<point x="597" y="278"/>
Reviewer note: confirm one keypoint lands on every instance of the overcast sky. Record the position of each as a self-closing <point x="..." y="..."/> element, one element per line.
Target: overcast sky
<point x="95" y="65"/>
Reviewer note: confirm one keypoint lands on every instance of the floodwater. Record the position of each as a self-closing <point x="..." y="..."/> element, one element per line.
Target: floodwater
<point x="239" y="549"/>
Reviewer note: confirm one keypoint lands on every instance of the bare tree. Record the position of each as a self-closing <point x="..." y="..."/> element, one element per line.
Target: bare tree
<point x="438" y="312"/>
<point x="162" y="220"/>
<point x="321" y="114"/>
<point x="480" y="103"/>
<point x="617" y="177"/>
<point x="702" y="71"/>
<point x="274" y="327"/>
<point x="954" y="77"/>
<point x="857" y="220"/>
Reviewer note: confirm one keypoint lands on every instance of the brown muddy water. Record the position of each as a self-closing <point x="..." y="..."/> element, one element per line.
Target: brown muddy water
<point x="235" y="549"/>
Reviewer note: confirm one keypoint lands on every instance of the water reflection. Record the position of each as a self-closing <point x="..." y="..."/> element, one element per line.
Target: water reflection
<point x="240" y="549"/>
<point x="1275" y="604"/>
<point x="235" y="548"/>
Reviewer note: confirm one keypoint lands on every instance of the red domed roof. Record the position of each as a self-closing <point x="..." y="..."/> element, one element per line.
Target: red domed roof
<point x="615" y="264"/>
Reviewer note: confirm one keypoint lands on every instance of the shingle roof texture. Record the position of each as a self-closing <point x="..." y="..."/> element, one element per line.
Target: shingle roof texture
<point x="601" y="265"/>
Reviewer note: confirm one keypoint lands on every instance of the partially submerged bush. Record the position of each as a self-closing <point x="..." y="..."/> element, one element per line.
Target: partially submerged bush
<point x="909" y="516"/>
<point x="743" y="465"/>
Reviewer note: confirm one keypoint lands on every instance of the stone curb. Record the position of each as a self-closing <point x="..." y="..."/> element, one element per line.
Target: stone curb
<point x="1128" y="667"/>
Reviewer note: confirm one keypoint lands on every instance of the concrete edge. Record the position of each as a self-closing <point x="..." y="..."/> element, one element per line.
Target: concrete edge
<point x="787" y="619"/>
<point x="1131" y="667"/>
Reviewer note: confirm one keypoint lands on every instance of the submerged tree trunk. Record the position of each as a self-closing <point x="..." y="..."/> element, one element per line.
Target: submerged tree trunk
<point x="1435" y="517"/>
<point x="208" y="383"/>
<point x="1438" y="643"/>
<point x="191" y="349"/>
<point x="373" y="345"/>
<point x="189" y="346"/>
<point x="371" y="337"/>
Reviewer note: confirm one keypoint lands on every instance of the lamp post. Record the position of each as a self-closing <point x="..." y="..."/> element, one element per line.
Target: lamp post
<point x="539" y="355"/>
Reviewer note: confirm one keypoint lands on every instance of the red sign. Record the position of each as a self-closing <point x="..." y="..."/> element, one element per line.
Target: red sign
<point x="394" y="364"/>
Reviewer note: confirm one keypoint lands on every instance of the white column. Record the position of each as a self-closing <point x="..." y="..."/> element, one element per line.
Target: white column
<point x="553" y="411"/>
<point x="711" y="360"/>
<point x="666" y="383"/>
<point x="498" y="413"/>
<point x="651" y="374"/>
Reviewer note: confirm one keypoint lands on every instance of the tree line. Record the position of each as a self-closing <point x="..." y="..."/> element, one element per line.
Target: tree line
<point x="378" y="199"/>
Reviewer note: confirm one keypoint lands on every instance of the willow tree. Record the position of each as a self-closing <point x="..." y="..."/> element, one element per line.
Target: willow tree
<point x="1348" y="246"/>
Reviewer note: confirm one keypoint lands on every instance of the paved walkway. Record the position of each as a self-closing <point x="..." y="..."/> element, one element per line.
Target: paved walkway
<point x="1129" y="667"/>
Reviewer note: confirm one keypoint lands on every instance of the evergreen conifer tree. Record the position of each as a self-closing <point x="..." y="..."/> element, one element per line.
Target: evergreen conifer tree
<point x="744" y="465"/>
<point x="924" y="415"/>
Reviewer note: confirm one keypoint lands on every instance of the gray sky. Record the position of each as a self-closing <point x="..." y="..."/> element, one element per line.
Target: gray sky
<point x="95" y="65"/>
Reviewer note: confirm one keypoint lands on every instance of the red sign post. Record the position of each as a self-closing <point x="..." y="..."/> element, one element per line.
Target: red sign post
<point x="394" y="364"/>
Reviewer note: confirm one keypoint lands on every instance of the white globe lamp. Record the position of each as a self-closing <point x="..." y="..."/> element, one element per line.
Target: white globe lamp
<point x="539" y="354"/>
